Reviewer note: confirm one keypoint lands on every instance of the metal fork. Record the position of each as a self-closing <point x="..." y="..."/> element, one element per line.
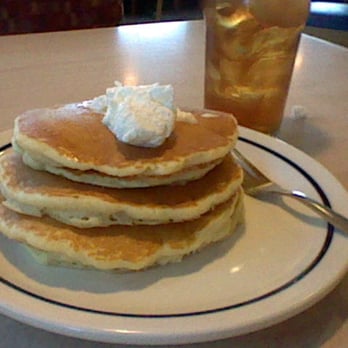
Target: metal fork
<point x="257" y="184"/>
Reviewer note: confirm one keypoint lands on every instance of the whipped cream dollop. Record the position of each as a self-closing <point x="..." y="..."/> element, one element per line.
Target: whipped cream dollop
<point x="138" y="115"/>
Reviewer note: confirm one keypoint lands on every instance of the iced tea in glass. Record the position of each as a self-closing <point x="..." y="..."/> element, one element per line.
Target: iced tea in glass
<point x="251" y="47"/>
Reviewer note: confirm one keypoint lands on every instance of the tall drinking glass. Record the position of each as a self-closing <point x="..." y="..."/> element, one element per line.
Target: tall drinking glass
<point x="251" y="47"/>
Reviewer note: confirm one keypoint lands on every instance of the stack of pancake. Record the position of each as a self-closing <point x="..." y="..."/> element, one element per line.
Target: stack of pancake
<point x="75" y="195"/>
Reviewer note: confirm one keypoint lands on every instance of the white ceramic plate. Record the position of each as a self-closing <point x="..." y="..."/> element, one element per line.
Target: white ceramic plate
<point x="281" y="262"/>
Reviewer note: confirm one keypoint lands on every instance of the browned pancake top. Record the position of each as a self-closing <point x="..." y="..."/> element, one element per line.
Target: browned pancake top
<point x="77" y="133"/>
<point x="21" y="178"/>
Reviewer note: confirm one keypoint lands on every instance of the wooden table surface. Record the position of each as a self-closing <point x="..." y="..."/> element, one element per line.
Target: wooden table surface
<point x="45" y="69"/>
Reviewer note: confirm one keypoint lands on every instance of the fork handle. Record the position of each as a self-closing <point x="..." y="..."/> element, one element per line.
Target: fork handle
<point x="325" y="212"/>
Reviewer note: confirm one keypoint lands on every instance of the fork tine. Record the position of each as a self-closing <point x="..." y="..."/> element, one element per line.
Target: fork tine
<point x="258" y="184"/>
<point x="247" y="165"/>
<point x="254" y="180"/>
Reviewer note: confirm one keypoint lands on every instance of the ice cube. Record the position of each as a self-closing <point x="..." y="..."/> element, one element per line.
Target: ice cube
<point x="227" y="9"/>
<point x="231" y="71"/>
<point x="283" y="13"/>
<point x="235" y="36"/>
<point x="274" y="40"/>
<point x="237" y="45"/>
<point x="272" y="72"/>
<point x="231" y="18"/>
<point x="245" y="96"/>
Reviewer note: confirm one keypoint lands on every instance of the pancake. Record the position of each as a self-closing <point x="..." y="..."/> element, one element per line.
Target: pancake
<point x="121" y="247"/>
<point x="40" y="193"/>
<point x="96" y="178"/>
<point x="74" y="137"/>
